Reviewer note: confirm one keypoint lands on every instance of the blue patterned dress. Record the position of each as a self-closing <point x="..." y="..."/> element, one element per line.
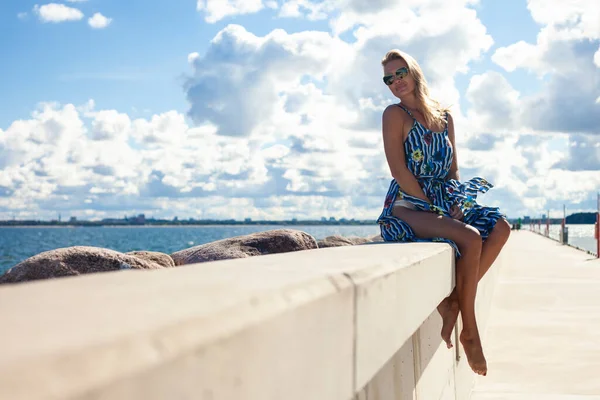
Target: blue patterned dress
<point x="429" y="158"/>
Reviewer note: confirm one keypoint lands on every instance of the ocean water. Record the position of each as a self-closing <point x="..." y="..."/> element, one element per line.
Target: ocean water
<point x="580" y="236"/>
<point x="18" y="244"/>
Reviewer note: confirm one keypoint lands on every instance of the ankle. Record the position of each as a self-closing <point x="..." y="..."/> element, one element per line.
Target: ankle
<point x="469" y="335"/>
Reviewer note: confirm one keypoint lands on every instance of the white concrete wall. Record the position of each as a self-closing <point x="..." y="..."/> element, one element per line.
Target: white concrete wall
<point x="423" y="368"/>
<point x="337" y="323"/>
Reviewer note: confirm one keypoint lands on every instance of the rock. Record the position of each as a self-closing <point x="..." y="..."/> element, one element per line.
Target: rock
<point x="161" y="259"/>
<point x="73" y="261"/>
<point x="375" y="239"/>
<point x="255" y="244"/>
<point x="337" y="241"/>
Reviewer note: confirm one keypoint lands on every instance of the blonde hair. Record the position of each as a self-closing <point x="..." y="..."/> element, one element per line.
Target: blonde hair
<point x="432" y="110"/>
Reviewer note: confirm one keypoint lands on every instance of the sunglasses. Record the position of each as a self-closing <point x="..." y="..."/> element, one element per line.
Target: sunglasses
<point x="400" y="74"/>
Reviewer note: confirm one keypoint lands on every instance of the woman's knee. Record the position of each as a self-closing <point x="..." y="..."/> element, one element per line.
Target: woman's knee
<point x="470" y="240"/>
<point x="501" y="230"/>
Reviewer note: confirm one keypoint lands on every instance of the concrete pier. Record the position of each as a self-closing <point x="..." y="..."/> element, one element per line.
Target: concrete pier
<point x="543" y="338"/>
<point x="351" y="323"/>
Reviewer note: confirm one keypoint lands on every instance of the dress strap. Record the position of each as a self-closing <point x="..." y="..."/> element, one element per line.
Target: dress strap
<point x="405" y="109"/>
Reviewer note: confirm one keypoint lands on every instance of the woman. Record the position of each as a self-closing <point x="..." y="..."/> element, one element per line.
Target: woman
<point x="426" y="202"/>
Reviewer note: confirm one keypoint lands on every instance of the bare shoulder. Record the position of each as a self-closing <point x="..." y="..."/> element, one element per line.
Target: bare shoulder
<point x="392" y="111"/>
<point x="394" y="116"/>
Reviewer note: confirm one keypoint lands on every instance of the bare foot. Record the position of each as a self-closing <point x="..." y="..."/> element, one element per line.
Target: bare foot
<point x="448" y="309"/>
<point x="474" y="352"/>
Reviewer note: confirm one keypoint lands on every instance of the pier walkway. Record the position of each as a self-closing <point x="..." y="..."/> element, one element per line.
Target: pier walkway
<point x="543" y="331"/>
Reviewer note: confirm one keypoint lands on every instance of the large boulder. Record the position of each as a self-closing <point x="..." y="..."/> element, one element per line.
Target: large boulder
<point x="337" y="241"/>
<point x="161" y="259"/>
<point x="255" y="244"/>
<point x="376" y="239"/>
<point x="73" y="261"/>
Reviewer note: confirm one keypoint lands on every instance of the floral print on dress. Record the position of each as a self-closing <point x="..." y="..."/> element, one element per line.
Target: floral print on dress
<point x="428" y="168"/>
<point x="427" y="138"/>
<point x="417" y="155"/>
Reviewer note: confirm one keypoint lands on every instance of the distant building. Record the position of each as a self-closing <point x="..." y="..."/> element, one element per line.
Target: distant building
<point x="73" y="219"/>
<point x="248" y="220"/>
<point x="140" y="219"/>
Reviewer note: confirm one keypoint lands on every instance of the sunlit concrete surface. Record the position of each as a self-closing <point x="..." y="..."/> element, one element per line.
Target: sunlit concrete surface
<point x="543" y="333"/>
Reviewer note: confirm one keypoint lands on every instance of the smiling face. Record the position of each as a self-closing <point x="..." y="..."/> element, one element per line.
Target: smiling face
<point x="400" y="87"/>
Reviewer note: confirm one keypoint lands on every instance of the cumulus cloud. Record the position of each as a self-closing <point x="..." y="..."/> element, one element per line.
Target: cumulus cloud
<point x="247" y="76"/>
<point x="57" y="13"/>
<point x="193" y="57"/>
<point x="584" y="154"/>
<point x="288" y="124"/>
<point x="566" y="56"/>
<point x="99" y="21"/>
<point x="312" y="10"/>
<point x="216" y="10"/>
<point x="58" y="160"/>
<point x="330" y="158"/>
<point x="494" y="102"/>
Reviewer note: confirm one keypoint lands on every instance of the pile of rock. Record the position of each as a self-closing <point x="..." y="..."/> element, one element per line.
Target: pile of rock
<point x="79" y="260"/>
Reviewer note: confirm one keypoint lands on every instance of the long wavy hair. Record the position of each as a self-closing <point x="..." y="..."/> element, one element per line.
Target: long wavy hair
<point x="432" y="110"/>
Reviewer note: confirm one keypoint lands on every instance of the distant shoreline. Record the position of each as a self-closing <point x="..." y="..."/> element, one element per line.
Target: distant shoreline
<point x="211" y="225"/>
<point x="181" y="225"/>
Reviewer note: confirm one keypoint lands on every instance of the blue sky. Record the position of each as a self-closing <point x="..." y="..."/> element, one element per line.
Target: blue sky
<point x="170" y="134"/>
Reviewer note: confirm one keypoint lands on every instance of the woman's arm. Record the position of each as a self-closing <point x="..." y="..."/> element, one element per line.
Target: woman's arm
<point x="393" y="143"/>
<point x="453" y="173"/>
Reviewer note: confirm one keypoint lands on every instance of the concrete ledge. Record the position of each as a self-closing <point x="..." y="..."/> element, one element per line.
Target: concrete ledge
<point x="318" y="324"/>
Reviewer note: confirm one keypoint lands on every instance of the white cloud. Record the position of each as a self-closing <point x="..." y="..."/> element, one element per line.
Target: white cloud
<point x="77" y="1"/>
<point x="520" y="54"/>
<point x="56" y="13"/>
<point x="494" y="102"/>
<point x="566" y="56"/>
<point x="216" y="10"/>
<point x="22" y="15"/>
<point x="193" y="57"/>
<point x="99" y="21"/>
<point x="581" y="17"/>
<point x="312" y="10"/>
<point x="288" y="125"/>
<point x="239" y="68"/>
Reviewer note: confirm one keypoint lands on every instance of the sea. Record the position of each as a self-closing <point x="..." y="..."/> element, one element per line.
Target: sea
<point x="580" y="236"/>
<point x="20" y="243"/>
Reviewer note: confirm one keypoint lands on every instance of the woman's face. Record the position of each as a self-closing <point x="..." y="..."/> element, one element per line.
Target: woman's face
<point x="400" y="86"/>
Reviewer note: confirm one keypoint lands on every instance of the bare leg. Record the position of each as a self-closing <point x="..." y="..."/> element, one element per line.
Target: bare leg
<point x="468" y="240"/>
<point x="448" y="308"/>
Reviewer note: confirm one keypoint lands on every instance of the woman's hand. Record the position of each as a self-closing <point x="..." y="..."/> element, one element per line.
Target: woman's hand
<point x="456" y="212"/>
